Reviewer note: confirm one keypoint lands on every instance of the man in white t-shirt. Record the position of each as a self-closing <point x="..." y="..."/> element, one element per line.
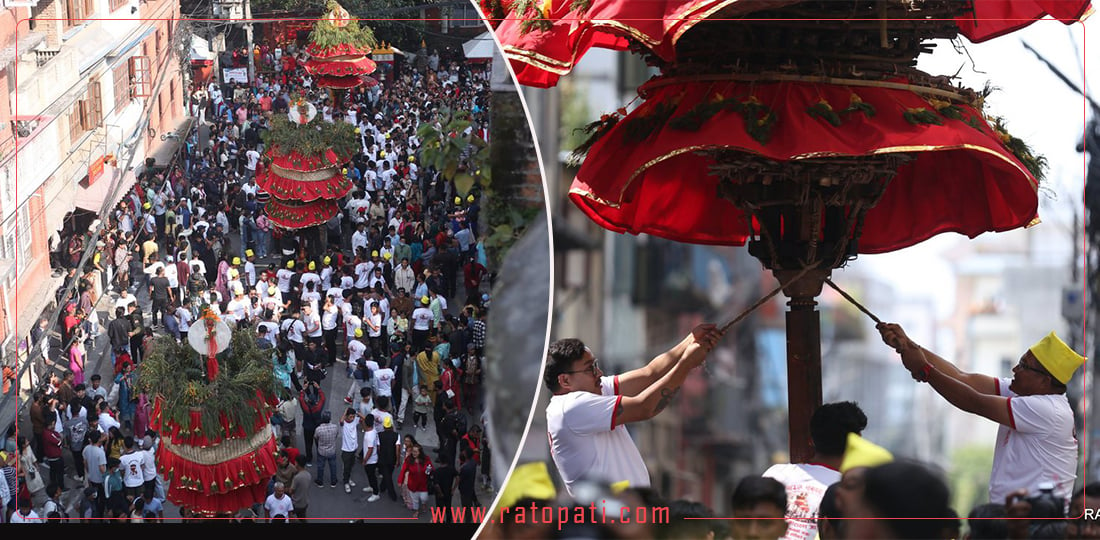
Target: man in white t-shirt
<point x="806" y="482"/>
<point x="370" y="457"/>
<point x="279" y="504"/>
<point x="130" y="466"/>
<point x="349" y="444"/>
<point x="1036" y="442"/>
<point x="587" y="413"/>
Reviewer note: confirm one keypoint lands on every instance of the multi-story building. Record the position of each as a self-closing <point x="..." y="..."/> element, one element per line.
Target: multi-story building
<point x="94" y="88"/>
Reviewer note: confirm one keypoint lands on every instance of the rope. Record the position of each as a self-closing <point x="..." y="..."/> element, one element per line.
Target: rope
<point x="767" y="297"/>
<point x="849" y="298"/>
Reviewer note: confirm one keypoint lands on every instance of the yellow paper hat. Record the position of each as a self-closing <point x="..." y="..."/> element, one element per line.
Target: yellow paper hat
<point x="1058" y="359"/>
<point x="248" y="253"/>
<point x="271" y="290"/>
<point x="863" y="453"/>
<point x="387" y="423"/>
<point x="328" y="259"/>
<point x="470" y="198"/>
<point x="458" y="200"/>
<point x="358" y="332"/>
<point x="236" y="261"/>
<point x="358" y="131"/>
<point x="387" y="255"/>
<point x="425" y="300"/>
<point x="374" y="253"/>
<point x="312" y="265"/>
<point x="528" y="481"/>
<point x="412" y="159"/>
<point x="290" y="264"/>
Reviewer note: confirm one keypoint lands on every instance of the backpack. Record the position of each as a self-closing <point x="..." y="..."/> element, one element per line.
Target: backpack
<point x="459" y="423"/>
<point x="77" y="432"/>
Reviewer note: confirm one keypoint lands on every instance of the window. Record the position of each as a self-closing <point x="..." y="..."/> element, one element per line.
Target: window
<point x="115" y="4"/>
<point x="141" y="81"/>
<point x="465" y="16"/>
<point x="93" y="107"/>
<point x="26" y="236"/>
<point x="121" y="76"/>
<point x="78" y="11"/>
<point x="8" y="249"/>
<point x="76" y="121"/>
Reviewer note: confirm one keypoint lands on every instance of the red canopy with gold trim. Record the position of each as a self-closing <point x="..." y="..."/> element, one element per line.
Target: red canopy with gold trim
<point x="545" y="43"/>
<point x="299" y="215"/>
<point x="649" y="173"/>
<point x="289" y="184"/>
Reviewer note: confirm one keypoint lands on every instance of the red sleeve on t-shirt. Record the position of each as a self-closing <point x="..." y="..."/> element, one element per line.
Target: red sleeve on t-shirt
<point x="1011" y="419"/>
<point x="618" y="403"/>
<point x="616" y="380"/>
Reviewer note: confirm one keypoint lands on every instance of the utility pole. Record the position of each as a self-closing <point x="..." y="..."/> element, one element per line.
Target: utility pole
<point x="248" y="35"/>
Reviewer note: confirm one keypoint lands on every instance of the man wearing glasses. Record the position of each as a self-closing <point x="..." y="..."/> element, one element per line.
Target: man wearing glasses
<point x="586" y="415"/>
<point x="1036" y="442"/>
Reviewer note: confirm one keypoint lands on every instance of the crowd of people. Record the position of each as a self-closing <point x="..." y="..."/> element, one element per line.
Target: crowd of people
<point x="398" y="295"/>
<point x="849" y="489"/>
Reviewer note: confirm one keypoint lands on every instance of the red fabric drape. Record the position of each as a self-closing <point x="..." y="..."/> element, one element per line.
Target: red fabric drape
<point x="962" y="180"/>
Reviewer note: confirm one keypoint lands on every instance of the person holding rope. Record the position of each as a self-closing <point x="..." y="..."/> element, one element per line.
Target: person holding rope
<point x="588" y="411"/>
<point x="1036" y="442"/>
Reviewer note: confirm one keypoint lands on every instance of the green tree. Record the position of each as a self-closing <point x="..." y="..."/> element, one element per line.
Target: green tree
<point x="969" y="476"/>
<point x="459" y="156"/>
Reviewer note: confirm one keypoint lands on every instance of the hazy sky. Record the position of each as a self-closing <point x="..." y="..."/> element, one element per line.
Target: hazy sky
<point x="1039" y="109"/>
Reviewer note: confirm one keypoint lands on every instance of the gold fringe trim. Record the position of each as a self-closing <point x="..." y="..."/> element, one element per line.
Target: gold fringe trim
<point x="225" y="451"/>
<point x="890" y="150"/>
<point x="645" y="89"/>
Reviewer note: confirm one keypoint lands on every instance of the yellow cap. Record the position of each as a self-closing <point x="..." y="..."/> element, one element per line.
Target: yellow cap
<point x="387" y="136"/>
<point x="358" y="332"/>
<point x="236" y="261"/>
<point x="387" y="423"/>
<point x="382" y="154"/>
<point x="387" y="255"/>
<point x="470" y="198"/>
<point x="290" y="264"/>
<point x="312" y="265"/>
<point x="458" y="200"/>
<point x="1058" y="359"/>
<point x="374" y="253"/>
<point x="357" y="131"/>
<point x="412" y="159"/>
<point x="863" y="453"/>
<point x="248" y="253"/>
<point x="234" y="273"/>
<point x="528" y="481"/>
<point x="328" y="259"/>
<point x="271" y="290"/>
<point x="146" y="206"/>
<point x="425" y="300"/>
<point x="345" y="171"/>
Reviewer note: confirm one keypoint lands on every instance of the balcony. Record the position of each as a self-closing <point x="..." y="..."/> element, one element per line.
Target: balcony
<point x="41" y="57"/>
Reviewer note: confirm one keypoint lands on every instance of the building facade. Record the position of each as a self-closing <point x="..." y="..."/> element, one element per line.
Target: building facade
<point x="94" y="88"/>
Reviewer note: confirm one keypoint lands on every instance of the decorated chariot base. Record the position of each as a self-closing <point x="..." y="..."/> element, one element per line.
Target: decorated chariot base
<point x="212" y="408"/>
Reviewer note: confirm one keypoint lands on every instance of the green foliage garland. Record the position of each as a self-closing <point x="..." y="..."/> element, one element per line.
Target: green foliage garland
<point x="325" y="34"/>
<point x="313" y="138"/>
<point x="175" y="372"/>
<point x="1035" y="164"/>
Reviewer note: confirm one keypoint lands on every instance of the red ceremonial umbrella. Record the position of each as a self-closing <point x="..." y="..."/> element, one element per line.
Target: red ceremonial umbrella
<point x="300" y="215"/>
<point x="652" y="166"/>
<point x="289" y="184"/>
<point x="368" y="81"/>
<point x="546" y="42"/>
<point x="210" y="473"/>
